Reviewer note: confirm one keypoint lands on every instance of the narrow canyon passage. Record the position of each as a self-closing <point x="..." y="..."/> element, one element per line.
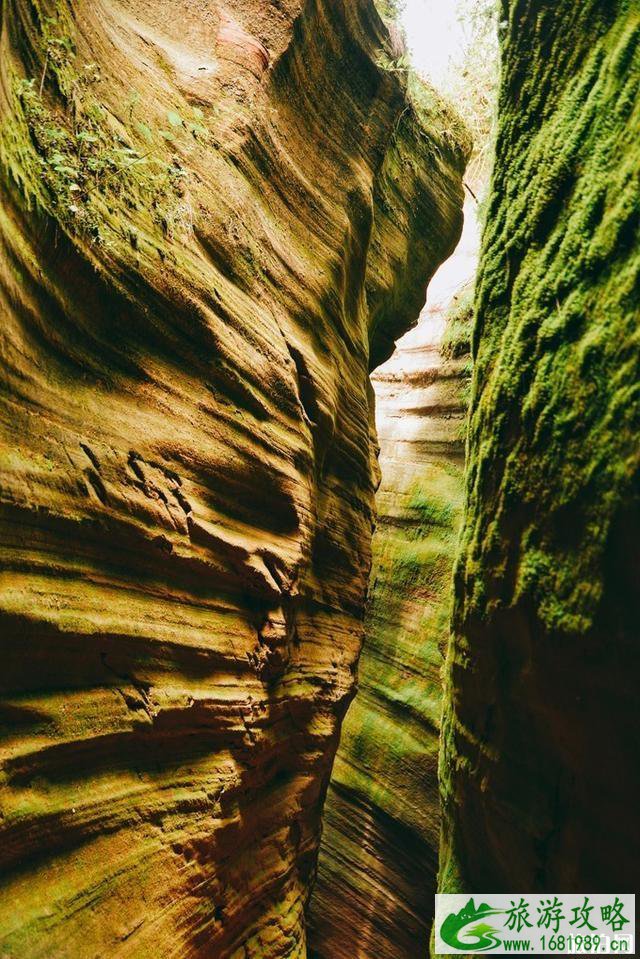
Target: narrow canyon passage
<point x="378" y="864"/>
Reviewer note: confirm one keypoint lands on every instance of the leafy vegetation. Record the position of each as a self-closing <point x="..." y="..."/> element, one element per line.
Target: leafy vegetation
<point x="473" y="87"/>
<point x="66" y="151"/>
<point x="468" y="93"/>
<point x="78" y="165"/>
<point x="391" y="9"/>
<point x="432" y="110"/>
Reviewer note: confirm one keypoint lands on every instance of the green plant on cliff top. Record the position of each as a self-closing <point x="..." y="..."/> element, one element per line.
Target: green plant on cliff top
<point x="474" y="86"/>
<point x="391" y="9"/>
<point x="430" y="105"/>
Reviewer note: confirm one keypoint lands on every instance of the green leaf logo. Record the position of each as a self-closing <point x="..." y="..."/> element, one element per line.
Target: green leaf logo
<point x="455" y="932"/>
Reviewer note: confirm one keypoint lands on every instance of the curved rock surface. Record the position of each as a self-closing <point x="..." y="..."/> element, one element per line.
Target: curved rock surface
<point x="540" y="767"/>
<point x="378" y="860"/>
<point x="214" y="218"/>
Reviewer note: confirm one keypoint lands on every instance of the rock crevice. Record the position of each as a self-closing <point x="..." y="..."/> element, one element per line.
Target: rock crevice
<point x="378" y="861"/>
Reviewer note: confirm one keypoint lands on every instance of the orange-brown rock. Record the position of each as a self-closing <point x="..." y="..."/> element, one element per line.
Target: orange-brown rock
<point x="214" y="217"/>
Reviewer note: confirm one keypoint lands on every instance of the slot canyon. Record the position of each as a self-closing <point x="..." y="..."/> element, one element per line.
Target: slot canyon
<point x="319" y="499"/>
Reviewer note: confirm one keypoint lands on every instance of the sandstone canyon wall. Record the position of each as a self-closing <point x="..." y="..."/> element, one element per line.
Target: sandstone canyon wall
<point x="540" y="739"/>
<point x="377" y="870"/>
<point x="214" y="219"/>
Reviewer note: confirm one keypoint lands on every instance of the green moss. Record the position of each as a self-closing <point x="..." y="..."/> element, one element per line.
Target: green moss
<point x="556" y="300"/>
<point x="553" y="462"/>
<point x="67" y="153"/>
<point x="434" y="109"/>
<point x="431" y="510"/>
<point x="390" y="9"/>
<point x="75" y="170"/>
<point x="419" y="564"/>
<point x="456" y="341"/>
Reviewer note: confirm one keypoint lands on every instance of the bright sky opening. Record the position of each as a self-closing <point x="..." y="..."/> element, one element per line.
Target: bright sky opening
<point x="435" y="36"/>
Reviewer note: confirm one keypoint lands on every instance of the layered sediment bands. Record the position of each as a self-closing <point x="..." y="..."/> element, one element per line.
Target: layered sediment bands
<point x="204" y="207"/>
<point x="540" y="764"/>
<point x="378" y="861"/>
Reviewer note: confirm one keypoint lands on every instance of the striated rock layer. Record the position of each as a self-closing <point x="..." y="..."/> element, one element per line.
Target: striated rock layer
<point x="378" y="859"/>
<point x="213" y="218"/>
<point x="540" y="766"/>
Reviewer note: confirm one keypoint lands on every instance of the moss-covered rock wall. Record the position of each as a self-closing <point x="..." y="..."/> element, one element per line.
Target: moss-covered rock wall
<point x="539" y="768"/>
<point x="209" y="213"/>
